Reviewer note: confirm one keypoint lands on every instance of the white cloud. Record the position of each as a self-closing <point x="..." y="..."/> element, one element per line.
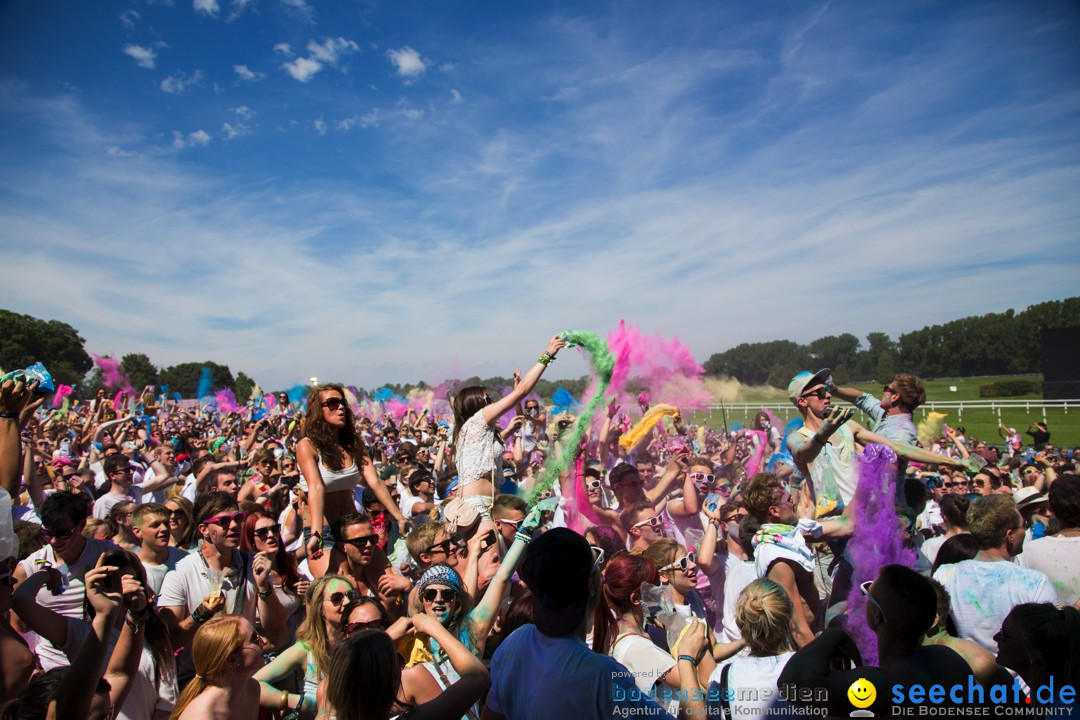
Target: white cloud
<point x="231" y="131"/>
<point x="447" y="67"/>
<point x="302" y="68"/>
<point x="320" y="126"/>
<point x="193" y="139"/>
<point x="283" y="48"/>
<point x="244" y="112"/>
<point x="408" y="62"/>
<point x="207" y="7"/>
<point x="455" y="97"/>
<point x="412" y="113"/>
<point x="327" y="52"/>
<point x="301" y="7"/>
<point x="331" y="49"/>
<point x="144" y="57"/>
<point x="181" y="82"/>
<point x="371" y="119"/>
<point x="128" y="18"/>
<point x="247" y="74"/>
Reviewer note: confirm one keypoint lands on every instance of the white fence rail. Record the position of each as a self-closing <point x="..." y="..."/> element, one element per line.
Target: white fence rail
<point x="787" y="410"/>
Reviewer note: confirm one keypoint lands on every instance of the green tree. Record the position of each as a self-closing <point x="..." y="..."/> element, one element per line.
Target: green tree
<point x="57" y="345"/>
<point x="184" y="378"/>
<point x="753" y="363"/>
<point x="139" y="370"/>
<point x="834" y="350"/>
<point x="886" y="369"/>
<point x="244" y="387"/>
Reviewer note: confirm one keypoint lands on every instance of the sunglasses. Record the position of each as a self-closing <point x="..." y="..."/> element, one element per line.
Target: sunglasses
<point x="444" y="546"/>
<point x="339" y="597"/>
<point x="358" y="626"/>
<point x="702" y="477"/>
<point x="175" y="513"/>
<point x="362" y="542"/>
<point x="264" y="532"/>
<point x="333" y="403"/>
<point x="654" y="522"/>
<point x="891" y="391"/>
<point x="512" y="523"/>
<point x="598" y="555"/>
<point x="734" y="518"/>
<point x="62" y="535"/>
<point x="545" y="495"/>
<point x="437" y="594"/>
<point x="593" y="485"/>
<point x="682" y="563"/>
<point x="225" y="520"/>
<point x="821" y="393"/>
<point x="865" y="588"/>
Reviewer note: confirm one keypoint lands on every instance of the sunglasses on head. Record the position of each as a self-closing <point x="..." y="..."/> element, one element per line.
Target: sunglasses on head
<point x="225" y="520"/>
<point x="362" y="542"/>
<point x="264" y="532"/>
<point x="439" y="594"/>
<point x="339" y="597"/>
<point x="358" y="626"/>
<point x="682" y="563"/>
<point x="333" y="403"/>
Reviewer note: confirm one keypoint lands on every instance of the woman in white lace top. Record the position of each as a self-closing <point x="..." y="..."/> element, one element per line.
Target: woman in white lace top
<point x="478" y="449"/>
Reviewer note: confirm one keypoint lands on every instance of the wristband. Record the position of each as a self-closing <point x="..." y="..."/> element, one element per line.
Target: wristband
<point x="818" y="440"/>
<point x="523" y="537"/>
<point x="266" y="593"/>
<point x="689" y="659"/>
<point x="15" y="416"/>
<point x="136" y="624"/>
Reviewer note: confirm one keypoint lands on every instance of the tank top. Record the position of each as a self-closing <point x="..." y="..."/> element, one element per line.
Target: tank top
<point x="335" y="480"/>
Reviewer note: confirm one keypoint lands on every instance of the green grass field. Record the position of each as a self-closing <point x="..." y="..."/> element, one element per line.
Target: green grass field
<point x="978" y="422"/>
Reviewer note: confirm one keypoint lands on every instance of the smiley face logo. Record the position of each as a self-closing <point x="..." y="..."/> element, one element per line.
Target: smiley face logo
<point x="862" y="693"/>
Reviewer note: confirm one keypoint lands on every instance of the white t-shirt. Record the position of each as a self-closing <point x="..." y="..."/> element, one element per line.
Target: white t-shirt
<point x="739" y="573"/>
<point x="149" y="691"/>
<point x="155" y="574"/>
<point x="646" y="662"/>
<point x="188" y="585"/>
<point x="930" y="547"/>
<point x="68" y="603"/>
<point x="1059" y="558"/>
<point x="981" y="594"/>
<point x="539" y="677"/>
<point x="104" y="504"/>
<point x="753" y="681"/>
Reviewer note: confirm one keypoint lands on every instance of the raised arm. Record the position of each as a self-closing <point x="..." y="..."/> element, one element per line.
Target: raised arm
<point x="474" y="681"/>
<point x="905" y="451"/>
<point x="498" y="408"/>
<point x="14" y="398"/>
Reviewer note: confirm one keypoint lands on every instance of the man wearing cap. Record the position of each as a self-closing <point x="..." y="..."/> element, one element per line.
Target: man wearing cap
<point x="1056" y="555"/>
<point x="824" y="447"/>
<point x="546" y="670"/>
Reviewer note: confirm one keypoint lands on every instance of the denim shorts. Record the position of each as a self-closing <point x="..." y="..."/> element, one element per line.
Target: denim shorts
<point x="329" y="542"/>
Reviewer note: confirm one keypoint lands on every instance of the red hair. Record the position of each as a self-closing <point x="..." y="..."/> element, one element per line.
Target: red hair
<point x="623" y="577"/>
<point x="284" y="562"/>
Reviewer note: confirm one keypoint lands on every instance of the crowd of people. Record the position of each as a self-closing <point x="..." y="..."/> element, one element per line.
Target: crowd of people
<point x="313" y="559"/>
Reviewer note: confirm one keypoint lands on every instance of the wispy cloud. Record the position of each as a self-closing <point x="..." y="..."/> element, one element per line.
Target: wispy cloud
<point x="207" y="7"/>
<point x="144" y="57"/>
<point x="407" y="62"/>
<point x="247" y="74"/>
<point x="329" y="51"/>
<point x="229" y="131"/>
<point x="128" y="18"/>
<point x="180" y="82"/>
<point x="192" y="139"/>
<point x="301" y="8"/>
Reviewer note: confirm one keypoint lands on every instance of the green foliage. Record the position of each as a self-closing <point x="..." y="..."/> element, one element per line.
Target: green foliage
<point x="993" y="344"/>
<point x="27" y="339"/>
<point x="1009" y="388"/>
<point x="139" y="370"/>
<point x="184" y="378"/>
<point x="244" y="387"/>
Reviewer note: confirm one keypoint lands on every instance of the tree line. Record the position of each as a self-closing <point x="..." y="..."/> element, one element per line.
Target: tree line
<point x="1003" y="343"/>
<point x="993" y="344"/>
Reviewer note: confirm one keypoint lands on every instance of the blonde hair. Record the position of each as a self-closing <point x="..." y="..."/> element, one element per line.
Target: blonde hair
<point x="763" y="616"/>
<point x="312" y="632"/>
<point x="214" y="642"/>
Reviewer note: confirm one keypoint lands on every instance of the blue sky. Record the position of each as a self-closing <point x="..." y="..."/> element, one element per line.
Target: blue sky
<point x="399" y="191"/>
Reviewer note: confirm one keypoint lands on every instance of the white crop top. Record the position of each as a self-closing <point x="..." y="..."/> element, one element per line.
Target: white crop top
<point x="335" y="480"/>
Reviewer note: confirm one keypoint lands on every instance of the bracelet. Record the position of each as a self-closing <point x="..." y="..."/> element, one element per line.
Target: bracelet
<point x="267" y="592"/>
<point x="284" y="700"/>
<point x="818" y="440"/>
<point x="523" y="537"/>
<point x="136" y="624"/>
<point x="15" y="416"/>
<point x="689" y="659"/>
<point x="546" y="358"/>
<point x="300" y="702"/>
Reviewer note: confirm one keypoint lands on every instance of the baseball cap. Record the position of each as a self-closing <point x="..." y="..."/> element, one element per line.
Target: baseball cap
<point x="556" y="570"/>
<point x="806" y="379"/>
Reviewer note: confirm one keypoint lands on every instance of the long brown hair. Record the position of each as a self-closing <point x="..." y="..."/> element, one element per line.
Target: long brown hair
<point x="327" y="439"/>
<point x="366" y="660"/>
<point x="312" y="632"/>
<point x="284" y="561"/>
<point x="467" y="403"/>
